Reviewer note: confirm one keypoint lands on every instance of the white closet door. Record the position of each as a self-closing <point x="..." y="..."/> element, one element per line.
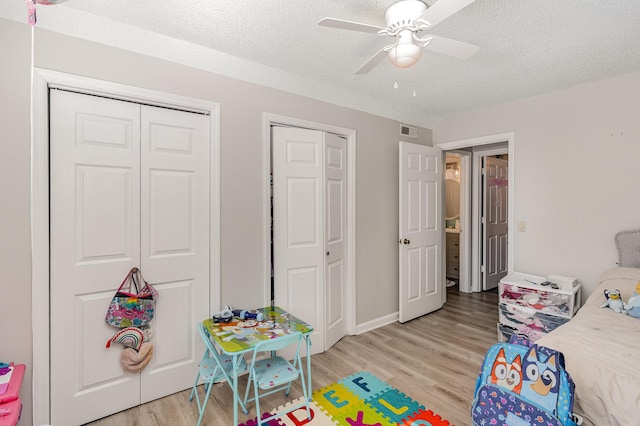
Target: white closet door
<point x="298" y="237"/>
<point x="175" y="242"/>
<point x="335" y="238"/>
<point x="95" y="240"/>
<point x="123" y="195"/>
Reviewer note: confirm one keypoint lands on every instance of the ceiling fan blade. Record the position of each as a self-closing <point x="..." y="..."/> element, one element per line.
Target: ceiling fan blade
<point x="453" y="48"/>
<point x="373" y="62"/>
<point x="349" y="25"/>
<point x="442" y="9"/>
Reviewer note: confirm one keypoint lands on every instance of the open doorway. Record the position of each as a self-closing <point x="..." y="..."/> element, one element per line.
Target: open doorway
<point x="479" y="254"/>
<point x="457" y="217"/>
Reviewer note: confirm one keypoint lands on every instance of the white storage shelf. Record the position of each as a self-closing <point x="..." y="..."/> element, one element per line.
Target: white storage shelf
<point x="526" y="307"/>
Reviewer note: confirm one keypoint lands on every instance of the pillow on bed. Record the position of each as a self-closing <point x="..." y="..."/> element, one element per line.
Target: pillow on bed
<point x="628" y="244"/>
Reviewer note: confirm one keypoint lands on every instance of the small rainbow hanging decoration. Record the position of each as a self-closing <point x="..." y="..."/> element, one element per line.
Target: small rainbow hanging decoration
<point x="130" y="337"/>
<point x="31" y="6"/>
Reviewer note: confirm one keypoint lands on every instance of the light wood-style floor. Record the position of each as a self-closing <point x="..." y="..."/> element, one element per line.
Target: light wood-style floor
<point x="433" y="359"/>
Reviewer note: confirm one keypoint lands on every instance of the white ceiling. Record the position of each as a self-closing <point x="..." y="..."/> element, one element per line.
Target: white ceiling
<point x="526" y="47"/>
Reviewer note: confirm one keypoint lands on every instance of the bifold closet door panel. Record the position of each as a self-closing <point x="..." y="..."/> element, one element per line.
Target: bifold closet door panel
<point x="335" y="238"/>
<point x="298" y="225"/>
<point x="94" y="241"/>
<point x="175" y="241"/>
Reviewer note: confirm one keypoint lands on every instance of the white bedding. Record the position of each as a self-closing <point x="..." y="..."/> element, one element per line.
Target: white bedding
<point x="602" y="354"/>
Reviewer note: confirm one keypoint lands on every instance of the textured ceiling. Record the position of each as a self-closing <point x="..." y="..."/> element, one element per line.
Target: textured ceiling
<point x="526" y="47"/>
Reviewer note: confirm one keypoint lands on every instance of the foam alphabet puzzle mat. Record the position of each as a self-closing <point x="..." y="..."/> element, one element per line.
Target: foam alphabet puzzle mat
<point x="361" y="399"/>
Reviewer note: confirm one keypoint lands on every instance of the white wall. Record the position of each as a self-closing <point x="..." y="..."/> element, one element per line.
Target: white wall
<point x="15" y="234"/>
<point x="577" y="174"/>
<point x="241" y="136"/>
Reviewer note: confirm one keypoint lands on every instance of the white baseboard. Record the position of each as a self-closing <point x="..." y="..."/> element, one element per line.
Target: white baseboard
<point x="376" y="323"/>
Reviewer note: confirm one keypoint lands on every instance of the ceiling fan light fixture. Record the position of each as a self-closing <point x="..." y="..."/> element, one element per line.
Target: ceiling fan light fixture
<point x="403" y="56"/>
<point x="405" y="53"/>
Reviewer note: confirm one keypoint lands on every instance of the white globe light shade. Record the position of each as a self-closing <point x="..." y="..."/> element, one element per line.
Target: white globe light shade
<point x="404" y="55"/>
<point x="406" y="52"/>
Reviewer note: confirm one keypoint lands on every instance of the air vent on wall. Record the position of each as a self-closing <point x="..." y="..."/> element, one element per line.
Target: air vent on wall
<point x="409" y="131"/>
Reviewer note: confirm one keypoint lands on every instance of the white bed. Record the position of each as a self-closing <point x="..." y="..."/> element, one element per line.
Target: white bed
<point x="602" y="348"/>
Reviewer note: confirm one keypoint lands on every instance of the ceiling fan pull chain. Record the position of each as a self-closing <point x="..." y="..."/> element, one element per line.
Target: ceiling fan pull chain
<point x="414" y="81"/>
<point x="395" y="85"/>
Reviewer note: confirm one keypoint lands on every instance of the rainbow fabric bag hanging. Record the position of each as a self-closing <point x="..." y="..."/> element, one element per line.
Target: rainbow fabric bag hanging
<point x="130" y="337"/>
<point x="128" y="309"/>
<point x="523" y="384"/>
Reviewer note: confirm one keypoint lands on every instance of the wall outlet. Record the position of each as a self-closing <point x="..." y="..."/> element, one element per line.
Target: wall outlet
<point x="522" y="226"/>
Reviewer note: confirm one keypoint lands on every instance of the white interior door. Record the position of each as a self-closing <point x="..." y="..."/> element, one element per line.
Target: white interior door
<point x="421" y="231"/>
<point x="298" y="236"/>
<point x="336" y="238"/>
<point x="495" y="188"/>
<point x="115" y="205"/>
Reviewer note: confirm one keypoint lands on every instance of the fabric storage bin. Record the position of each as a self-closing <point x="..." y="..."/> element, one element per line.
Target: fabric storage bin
<point x="517" y="316"/>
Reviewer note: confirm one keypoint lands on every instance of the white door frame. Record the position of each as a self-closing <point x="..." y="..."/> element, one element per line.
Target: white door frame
<point x="475" y="284"/>
<point x="350" y="134"/>
<point x="43" y="79"/>
<point x="464" y="269"/>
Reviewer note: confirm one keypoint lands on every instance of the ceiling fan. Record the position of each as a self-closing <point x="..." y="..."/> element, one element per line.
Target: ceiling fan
<point x="407" y="21"/>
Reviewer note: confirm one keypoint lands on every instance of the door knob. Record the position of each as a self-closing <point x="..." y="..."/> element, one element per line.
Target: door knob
<point x="406" y="241"/>
<point x="327" y="253"/>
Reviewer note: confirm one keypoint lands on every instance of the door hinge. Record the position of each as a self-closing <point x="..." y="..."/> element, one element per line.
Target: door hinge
<point x="482" y="269"/>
